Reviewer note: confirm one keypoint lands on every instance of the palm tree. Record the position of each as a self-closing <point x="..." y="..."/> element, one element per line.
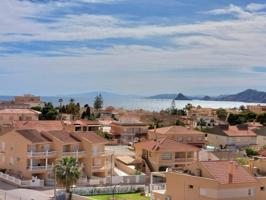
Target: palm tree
<point x="67" y="173"/>
<point x="60" y="100"/>
<point x="72" y="100"/>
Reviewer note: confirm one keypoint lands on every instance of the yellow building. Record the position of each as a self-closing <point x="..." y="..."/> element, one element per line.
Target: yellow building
<point x="212" y="180"/>
<point x="30" y="153"/>
<point x="165" y="153"/>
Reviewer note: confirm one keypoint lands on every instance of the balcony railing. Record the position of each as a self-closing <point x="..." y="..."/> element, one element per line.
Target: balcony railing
<point x="184" y="159"/>
<point x="74" y="153"/>
<point x="41" y="153"/>
<point x="40" y="168"/>
<point x="98" y="168"/>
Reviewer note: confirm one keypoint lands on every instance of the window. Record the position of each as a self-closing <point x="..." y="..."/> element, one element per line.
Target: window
<point x="190" y="186"/>
<point x="189" y="139"/>
<point x="179" y="138"/>
<point x="262" y="188"/>
<point x="166" y="156"/>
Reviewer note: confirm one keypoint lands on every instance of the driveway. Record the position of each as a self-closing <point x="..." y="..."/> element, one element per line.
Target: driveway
<point x="120" y="150"/>
<point x="9" y="192"/>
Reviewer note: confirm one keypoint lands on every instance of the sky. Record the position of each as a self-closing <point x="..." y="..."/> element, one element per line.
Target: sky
<point x="145" y="47"/>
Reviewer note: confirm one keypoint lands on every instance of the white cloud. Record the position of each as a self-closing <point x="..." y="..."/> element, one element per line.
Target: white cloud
<point x="255" y="7"/>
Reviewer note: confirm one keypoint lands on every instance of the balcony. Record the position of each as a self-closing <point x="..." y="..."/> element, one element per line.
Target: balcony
<point x="34" y="154"/>
<point x="77" y="154"/>
<point x="97" y="168"/>
<point x="39" y="168"/>
<point x="102" y="153"/>
<point x="184" y="159"/>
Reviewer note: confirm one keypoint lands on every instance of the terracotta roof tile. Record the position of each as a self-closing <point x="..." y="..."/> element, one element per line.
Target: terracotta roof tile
<point x="219" y="170"/>
<point x="166" y="145"/>
<point x="176" y="130"/>
<point x="63" y="136"/>
<point x="34" y="136"/>
<point x="42" y="125"/>
<point x="90" y="136"/>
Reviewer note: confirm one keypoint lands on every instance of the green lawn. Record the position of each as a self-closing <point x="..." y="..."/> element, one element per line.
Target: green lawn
<point x="134" y="196"/>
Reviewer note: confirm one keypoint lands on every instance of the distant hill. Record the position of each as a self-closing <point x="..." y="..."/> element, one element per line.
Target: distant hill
<point x="248" y="95"/>
<point x="163" y="96"/>
<point x="180" y="96"/>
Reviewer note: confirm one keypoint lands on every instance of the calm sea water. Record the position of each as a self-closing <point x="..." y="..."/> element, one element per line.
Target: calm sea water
<point x="150" y="104"/>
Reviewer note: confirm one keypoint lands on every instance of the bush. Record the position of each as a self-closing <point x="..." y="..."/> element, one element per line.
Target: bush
<point x="251" y="152"/>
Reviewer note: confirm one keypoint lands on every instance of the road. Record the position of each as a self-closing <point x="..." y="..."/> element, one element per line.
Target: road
<point x="9" y="192"/>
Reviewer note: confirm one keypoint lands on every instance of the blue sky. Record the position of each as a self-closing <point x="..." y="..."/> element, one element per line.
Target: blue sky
<point x="50" y="47"/>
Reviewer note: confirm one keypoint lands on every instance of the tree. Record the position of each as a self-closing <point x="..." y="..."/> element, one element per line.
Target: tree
<point x="48" y="112"/>
<point x="71" y="100"/>
<point x="262" y="119"/>
<point x="86" y="114"/>
<point x="98" y="102"/>
<point x="201" y="123"/>
<point x="221" y="114"/>
<point x="60" y="100"/>
<point x="68" y="172"/>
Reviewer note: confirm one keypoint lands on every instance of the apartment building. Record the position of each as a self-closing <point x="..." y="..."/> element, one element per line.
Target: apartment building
<point x="8" y="116"/>
<point x="128" y="130"/>
<point x="28" y="99"/>
<point x="258" y="109"/>
<point x="232" y="136"/>
<point x="31" y="153"/>
<point x="158" y="155"/>
<point x="180" y="134"/>
<point x="212" y="180"/>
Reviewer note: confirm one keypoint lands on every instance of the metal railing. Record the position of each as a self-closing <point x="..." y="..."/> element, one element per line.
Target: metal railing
<point x="41" y="153"/>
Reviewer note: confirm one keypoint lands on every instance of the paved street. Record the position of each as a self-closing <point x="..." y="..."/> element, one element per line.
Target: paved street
<point x="9" y="192"/>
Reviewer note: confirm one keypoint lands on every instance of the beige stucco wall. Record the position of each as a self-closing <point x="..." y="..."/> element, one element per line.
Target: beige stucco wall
<point x="217" y="140"/>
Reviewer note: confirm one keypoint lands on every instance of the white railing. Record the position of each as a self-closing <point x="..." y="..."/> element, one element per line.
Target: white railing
<point x="38" y="168"/>
<point x="74" y="153"/>
<point x="44" y="153"/>
<point x="18" y="182"/>
<point x="158" y="186"/>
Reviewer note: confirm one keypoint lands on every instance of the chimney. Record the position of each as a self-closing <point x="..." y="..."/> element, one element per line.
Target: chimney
<point x="230" y="172"/>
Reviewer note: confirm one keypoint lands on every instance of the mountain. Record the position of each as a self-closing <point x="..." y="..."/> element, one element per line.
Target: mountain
<point x="104" y="94"/>
<point x="163" y="96"/>
<point x="248" y="95"/>
<point x="180" y="96"/>
<point x="206" y="98"/>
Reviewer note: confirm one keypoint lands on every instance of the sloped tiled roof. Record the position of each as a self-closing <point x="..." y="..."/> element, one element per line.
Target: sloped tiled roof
<point x="41" y="125"/>
<point x="219" y="170"/>
<point x="33" y="135"/>
<point x="63" y="136"/>
<point x="90" y="136"/>
<point x="166" y="145"/>
<point x="176" y="130"/>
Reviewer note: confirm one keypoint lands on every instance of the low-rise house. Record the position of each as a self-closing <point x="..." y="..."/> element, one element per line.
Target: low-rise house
<point x="31" y="153"/>
<point x="128" y="130"/>
<point x="13" y="105"/>
<point x="40" y="125"/>
<point x="261" y="137"/>
<point x="82" y="125"/>
<point x="212" y="180"/>
<point x="232" y="136"/>
<point x="158" y="155"/>
<point x="180" y="134"/>
<point x="258" y="109"/>
<point x="8" y="116"/>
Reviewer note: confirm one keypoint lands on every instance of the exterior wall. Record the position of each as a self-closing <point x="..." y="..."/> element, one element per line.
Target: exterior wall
<point x="261" y="141"/>
<point x="15" y="154"/>
<point x="9" y="117"/>
<point x="127" y="133"/>
<point x="217" y="140"/>
<point x="186" y="187"/>
<point x="155" y="158"/>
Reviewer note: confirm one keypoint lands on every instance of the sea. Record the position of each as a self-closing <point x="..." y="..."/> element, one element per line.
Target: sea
<point x="133" y="103"/>
<point x="151" y="104"/>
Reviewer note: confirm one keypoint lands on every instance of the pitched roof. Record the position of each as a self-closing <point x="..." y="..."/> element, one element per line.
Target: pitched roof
<point x="232" y="131"/>
<point x="63" y="136"/>
<point x="33" y="135"/>
<point x="89" y="136"/>
<point x="166" y="145"/>
<point x="18" y="111"/>
<point x="219" y="170"/>
<point x="170" y="130"/>
<point x="42" y="125"/>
